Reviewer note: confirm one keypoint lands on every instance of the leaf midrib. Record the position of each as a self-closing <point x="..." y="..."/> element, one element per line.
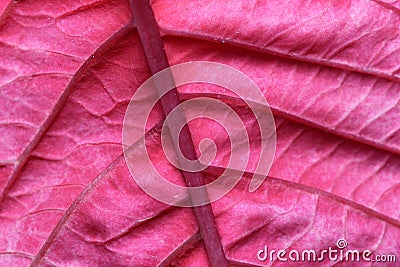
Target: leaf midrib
<point x="88" y="63"/>
<point x="247" y="175"/>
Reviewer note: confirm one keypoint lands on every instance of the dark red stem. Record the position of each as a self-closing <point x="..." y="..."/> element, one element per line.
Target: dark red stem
<point x="150" y="37"/>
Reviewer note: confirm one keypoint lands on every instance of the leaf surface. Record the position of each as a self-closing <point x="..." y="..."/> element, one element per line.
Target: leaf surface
<point x="329" y="70"/>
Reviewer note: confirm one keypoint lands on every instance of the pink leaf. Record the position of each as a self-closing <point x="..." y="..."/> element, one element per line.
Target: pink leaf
<point x="329" y="70"/>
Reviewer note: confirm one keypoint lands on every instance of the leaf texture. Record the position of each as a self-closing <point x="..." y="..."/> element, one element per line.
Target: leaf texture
<point x="329" y="70"/>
